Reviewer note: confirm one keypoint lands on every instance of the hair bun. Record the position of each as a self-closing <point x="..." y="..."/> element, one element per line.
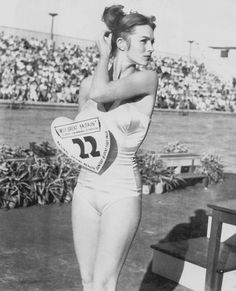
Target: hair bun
<point x="112" y="16"/>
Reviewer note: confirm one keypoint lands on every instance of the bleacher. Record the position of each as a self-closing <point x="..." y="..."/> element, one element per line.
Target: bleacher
<point x="33" y="69"/>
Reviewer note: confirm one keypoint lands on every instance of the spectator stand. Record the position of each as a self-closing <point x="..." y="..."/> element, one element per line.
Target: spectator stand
<point x="32" y="69"/>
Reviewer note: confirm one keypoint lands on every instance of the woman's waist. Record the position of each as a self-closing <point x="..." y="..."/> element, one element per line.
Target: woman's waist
<point x="115" y="172"/>
<point x="121" y="179"/>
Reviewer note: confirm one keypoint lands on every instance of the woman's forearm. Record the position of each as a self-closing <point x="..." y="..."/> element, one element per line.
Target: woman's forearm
<point x="100" y="79"/>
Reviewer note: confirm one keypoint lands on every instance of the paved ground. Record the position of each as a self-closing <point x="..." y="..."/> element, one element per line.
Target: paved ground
<point x="36" y="249"/>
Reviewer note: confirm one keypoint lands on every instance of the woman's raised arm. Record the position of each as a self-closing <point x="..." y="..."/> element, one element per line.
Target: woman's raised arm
<point x="104" y="90"/>
<point x="84" y="92"/>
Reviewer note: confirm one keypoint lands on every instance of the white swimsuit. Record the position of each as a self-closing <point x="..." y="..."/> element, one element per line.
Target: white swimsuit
<point x="120" y="175"/>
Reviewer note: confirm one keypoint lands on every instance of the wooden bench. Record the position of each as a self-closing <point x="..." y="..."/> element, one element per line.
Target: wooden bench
<point x="181" y="159"/>
<point x="184" y="164"/>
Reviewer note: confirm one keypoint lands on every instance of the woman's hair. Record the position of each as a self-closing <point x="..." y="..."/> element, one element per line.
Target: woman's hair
<point x="122" y="24"/>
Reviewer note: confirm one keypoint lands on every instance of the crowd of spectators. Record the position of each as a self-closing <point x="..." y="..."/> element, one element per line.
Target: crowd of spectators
<point x="36" y="70"/>
<point x="185" y="85"/>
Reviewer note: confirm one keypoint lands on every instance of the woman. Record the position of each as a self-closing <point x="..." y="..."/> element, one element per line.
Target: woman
<point x="106" y="207"/>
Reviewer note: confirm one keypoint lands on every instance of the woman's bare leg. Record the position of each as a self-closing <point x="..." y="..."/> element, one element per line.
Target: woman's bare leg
<point x="119" y="224"/>
<point x="85" y="224"/>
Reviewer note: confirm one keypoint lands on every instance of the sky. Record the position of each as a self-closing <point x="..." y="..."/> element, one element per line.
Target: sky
<point x="206" y="22"/>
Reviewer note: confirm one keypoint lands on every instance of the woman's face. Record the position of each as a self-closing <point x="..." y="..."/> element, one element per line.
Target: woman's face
<point x="140" y="45"/>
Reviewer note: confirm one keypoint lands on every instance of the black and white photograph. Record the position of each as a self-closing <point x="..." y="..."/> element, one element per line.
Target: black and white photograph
<point x="117" y="145"/>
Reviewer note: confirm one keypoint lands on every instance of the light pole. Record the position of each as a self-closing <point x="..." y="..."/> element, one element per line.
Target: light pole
<point x="190" y="49"/>
<point x="52" y="15"/>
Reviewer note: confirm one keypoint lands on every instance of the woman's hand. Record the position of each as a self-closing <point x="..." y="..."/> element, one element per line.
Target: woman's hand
<point x="104" y="44"/>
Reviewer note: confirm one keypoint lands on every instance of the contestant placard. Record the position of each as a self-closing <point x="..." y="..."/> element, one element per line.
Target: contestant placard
<point x="86" y="142"/>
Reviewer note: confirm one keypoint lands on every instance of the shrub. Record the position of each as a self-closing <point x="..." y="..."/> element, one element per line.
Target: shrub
<point x="41" y="175"/>
<point x="7" y="153"/>
<point x="34" y="180"/>
<point x="212" y="166"/>
<point x="153" y="171"/>
<point x="175" y="147"/>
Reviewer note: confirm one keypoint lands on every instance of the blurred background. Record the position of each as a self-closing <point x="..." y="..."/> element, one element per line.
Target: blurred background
<point x="184" y="27"/>
<point x="47" y="49"/>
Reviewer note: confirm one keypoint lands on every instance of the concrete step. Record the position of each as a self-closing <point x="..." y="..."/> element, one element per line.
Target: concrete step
<point x="185" y="262"/>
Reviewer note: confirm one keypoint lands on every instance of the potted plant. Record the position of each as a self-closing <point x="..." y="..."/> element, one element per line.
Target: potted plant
<point x="171" y="180"/>
<point x="175" y="147"/>
<point x="155" y="174"/>
<point x="142" y="160"/>
<point x="164" y="178"/>
<point x="213" y="168"/>
<point x="146" y="185"/>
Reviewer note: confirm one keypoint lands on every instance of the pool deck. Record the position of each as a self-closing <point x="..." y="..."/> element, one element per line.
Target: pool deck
<point x="6" y="103"/>
<point x="37" y="251"/>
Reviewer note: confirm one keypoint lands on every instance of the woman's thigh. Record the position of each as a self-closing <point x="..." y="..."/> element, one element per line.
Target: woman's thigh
<point x="85" y="224"/>
<point x="119" y="224"/>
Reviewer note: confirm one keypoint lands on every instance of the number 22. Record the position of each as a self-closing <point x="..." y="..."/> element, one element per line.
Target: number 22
<point x="90" y="139"/>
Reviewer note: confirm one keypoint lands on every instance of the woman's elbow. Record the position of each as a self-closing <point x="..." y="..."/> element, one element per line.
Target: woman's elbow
<point x="95" y="95"/>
